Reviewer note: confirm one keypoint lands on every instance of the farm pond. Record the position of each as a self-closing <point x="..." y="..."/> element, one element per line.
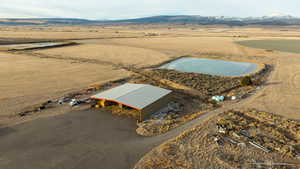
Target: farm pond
<point x="211" y="66"/>
<point x="34" y="45"/>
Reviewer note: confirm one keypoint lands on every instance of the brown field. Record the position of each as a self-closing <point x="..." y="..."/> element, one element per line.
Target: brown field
<point x="33" y="77"/>
<point x="109" y="54"/>
<point x="27" y="80"/>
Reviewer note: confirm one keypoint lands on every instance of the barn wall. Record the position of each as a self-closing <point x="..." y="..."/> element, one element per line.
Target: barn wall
<point x="154" y="107"/>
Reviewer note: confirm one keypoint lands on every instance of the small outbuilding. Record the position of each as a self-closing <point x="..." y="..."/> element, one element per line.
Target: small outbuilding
<point x="147" y="99"/>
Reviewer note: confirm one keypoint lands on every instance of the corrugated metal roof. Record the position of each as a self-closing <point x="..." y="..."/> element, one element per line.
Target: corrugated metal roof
<point x="138" y="96"/>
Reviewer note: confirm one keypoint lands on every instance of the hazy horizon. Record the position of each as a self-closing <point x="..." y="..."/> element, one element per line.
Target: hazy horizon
<point x="127" y="9"/>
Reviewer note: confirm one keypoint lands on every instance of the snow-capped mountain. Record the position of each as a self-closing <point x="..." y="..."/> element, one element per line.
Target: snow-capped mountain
<point x="279" y="15"/>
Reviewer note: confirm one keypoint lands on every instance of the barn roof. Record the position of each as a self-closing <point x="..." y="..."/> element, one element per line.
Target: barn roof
<point x="137" y="96"/>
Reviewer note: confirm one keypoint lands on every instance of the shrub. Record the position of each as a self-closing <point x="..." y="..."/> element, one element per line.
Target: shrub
<point x="246" y="81"/>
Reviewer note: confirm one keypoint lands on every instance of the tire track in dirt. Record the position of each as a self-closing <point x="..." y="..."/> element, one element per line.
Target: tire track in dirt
<point x="295" y="80"/>
<point x="73" y="59"/>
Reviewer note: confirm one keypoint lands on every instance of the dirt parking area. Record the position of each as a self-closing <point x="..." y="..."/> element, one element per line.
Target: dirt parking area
<point x="78" y="139"/>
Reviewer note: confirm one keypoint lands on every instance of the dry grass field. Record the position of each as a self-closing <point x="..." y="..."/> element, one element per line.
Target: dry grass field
<point x="109" y="54"/>
<point x="63" y="32"/>
<point x="27" y="80"/>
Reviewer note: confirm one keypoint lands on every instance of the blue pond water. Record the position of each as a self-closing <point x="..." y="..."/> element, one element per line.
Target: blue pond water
<point x="211" y="66"/>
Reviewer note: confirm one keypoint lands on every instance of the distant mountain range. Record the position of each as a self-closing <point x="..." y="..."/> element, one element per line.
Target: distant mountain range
<point x="274" y="19"/>
<point x="45" y="21"/>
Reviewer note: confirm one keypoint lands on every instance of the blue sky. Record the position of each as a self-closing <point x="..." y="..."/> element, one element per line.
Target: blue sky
<point x="119" y="9"/>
